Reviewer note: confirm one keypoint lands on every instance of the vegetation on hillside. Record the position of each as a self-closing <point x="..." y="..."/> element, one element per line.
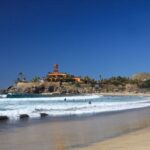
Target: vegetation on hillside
<point x="36" y="79"/>
<point x="87" y="85"/>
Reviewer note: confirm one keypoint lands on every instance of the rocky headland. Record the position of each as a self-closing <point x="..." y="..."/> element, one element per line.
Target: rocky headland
<point x="139" y="83"/>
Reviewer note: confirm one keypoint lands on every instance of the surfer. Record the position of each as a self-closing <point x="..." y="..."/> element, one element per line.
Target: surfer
<point x="65" y="99"/>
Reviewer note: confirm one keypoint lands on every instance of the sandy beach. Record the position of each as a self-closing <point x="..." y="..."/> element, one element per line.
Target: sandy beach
<point x="72" y="133"/>
<point x="138" y="140"/>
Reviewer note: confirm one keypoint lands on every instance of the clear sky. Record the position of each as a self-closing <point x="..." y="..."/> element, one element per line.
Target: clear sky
<point x="85" y="37"/>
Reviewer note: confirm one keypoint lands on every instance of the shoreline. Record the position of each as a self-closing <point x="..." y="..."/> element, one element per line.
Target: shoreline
<point x="136" y="140"/>
<point x="123" y="94"/>
<point x="94" y="132"/>
<point x="69" y="134"/>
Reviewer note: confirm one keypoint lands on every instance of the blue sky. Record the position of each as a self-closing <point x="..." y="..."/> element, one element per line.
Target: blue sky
<point x="85" y="37"/>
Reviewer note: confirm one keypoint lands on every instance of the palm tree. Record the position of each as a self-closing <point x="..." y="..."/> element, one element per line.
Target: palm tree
<point x="21" y="77"/>
<point x="100" y="77"/>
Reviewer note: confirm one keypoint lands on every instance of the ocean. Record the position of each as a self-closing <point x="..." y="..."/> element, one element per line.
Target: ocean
<point x="69" y="105"/>
<point x="74" y="121"/>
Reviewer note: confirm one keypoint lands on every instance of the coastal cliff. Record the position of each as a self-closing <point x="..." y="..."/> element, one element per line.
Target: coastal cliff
<point x="50" y="87"/>
<point x="87" y="85"/>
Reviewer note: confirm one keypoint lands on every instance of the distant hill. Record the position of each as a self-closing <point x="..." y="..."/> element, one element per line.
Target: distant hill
<point x="141" y="76"/>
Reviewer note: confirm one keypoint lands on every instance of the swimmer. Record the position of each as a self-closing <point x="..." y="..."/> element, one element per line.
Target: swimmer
<point x="90" y="102"/>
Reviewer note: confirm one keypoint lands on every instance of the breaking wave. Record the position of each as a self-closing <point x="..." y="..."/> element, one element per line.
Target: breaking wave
<point x="69" y="105"/>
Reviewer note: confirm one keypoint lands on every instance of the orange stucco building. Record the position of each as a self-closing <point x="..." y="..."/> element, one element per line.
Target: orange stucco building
<point x="56" y="75"/>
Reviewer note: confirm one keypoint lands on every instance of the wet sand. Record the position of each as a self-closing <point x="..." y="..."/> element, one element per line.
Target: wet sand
<point x="66" y="134"/>
<point x="138" y="140"/>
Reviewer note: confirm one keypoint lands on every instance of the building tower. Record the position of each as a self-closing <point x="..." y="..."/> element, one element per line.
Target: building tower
<point x="56" y="68"/>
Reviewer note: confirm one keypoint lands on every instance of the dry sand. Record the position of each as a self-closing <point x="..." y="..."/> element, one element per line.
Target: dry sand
<point x="123" y="94"/>
<point x="139" y="140"/>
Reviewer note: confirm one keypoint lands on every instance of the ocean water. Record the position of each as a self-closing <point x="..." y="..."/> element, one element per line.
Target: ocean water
<point x="69" y="105"/>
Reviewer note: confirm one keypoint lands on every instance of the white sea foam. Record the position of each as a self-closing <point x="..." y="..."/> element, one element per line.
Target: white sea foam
<point x="3" y="95"/>
<point x="74" y="105"/>
<point x="55" y="98"/>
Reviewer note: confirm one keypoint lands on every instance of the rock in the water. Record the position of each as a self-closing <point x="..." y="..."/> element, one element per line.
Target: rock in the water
<point x="43" y="115"/>
<point x="24" y="116"/>
<point x="4" y="118"/>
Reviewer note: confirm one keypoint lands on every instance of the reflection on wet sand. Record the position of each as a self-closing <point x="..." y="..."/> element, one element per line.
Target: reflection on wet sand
<point x="58" y="140"/>
<point x="67" y="134"/>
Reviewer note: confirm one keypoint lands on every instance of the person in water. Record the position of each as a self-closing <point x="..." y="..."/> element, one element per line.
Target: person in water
<point x="90" y="102"/>
<point x="65" y="99"/>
